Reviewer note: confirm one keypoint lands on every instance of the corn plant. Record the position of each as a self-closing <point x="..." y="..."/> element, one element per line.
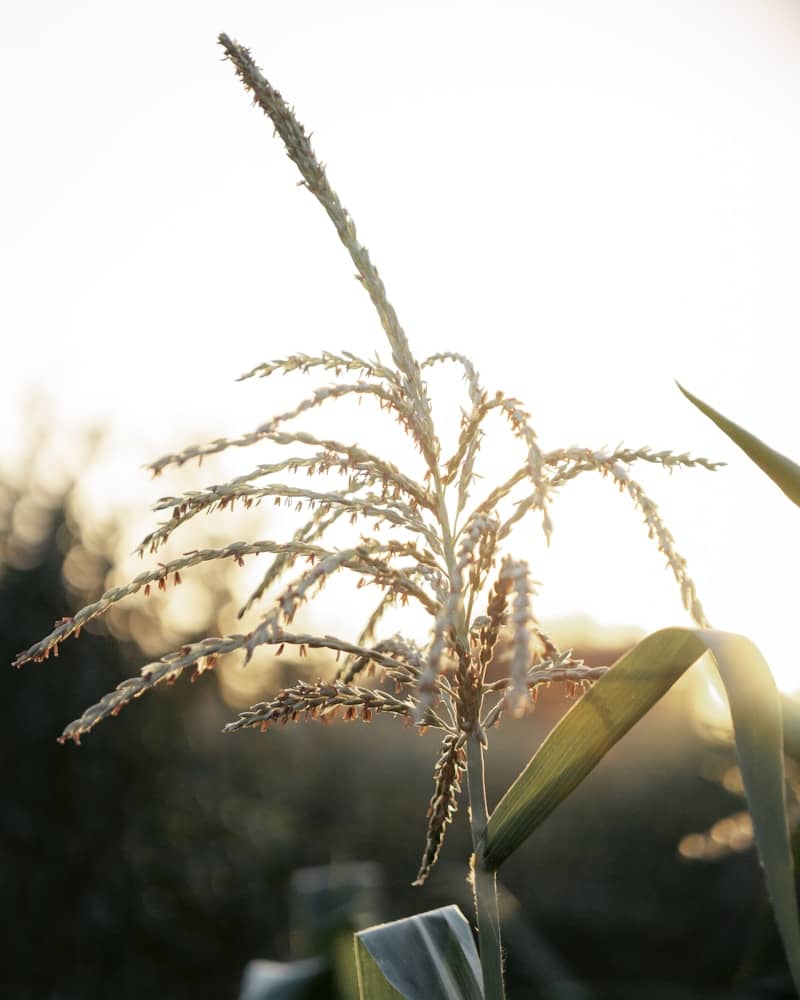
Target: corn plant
<point x="445" y="548"/>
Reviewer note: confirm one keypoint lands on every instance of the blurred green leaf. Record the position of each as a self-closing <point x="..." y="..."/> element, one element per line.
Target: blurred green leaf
<point x="430" y="956"/>
<point x="781" y="470"/>
<point x="616" y="702"/>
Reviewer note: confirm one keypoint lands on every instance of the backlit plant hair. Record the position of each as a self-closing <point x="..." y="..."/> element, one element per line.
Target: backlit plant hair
<point x="446" y="551"/>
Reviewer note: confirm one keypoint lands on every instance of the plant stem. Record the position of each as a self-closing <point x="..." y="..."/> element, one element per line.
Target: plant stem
<point x="484" y="883"/>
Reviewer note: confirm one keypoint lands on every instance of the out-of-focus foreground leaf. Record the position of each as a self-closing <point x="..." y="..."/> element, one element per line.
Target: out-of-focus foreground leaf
<point x="781" y="470"/>
<point x="430" y="956"/>
<point x="616" y="702"/>
<point x="303" y="980"/>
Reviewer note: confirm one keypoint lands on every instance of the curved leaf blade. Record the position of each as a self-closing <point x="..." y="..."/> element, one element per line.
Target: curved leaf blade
<point x="585" y="734"/>
<point x="757" y="714"/>
<point x="781" y="470"/>
<point x="612" y="707"/>
<point x="430" y="956"/>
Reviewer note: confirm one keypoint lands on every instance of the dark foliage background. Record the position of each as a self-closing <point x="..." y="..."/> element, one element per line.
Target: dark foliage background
<point x="157" y="857"/>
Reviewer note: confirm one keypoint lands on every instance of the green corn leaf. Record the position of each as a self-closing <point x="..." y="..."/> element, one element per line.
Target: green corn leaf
<point x="430" y="956"/>
<point x="616" y="702"/>
<point x="781" y="470"/>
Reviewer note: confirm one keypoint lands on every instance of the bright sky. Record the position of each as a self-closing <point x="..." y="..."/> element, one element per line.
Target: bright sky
<point x="590" y="200"/>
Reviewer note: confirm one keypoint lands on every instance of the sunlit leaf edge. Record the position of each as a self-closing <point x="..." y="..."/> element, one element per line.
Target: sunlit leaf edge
<point x="781" y="470"/>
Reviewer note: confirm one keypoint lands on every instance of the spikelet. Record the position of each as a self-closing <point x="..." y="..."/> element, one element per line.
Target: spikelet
<point x="445" y="623"/>
<point x="337" y="363"/>
<point x="517" y="694"/>
<point x="323" y="699"/>
<point x="444" y="802"/>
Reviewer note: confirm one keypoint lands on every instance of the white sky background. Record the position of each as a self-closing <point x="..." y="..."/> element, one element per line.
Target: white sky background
<point x="589" y="199"/>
